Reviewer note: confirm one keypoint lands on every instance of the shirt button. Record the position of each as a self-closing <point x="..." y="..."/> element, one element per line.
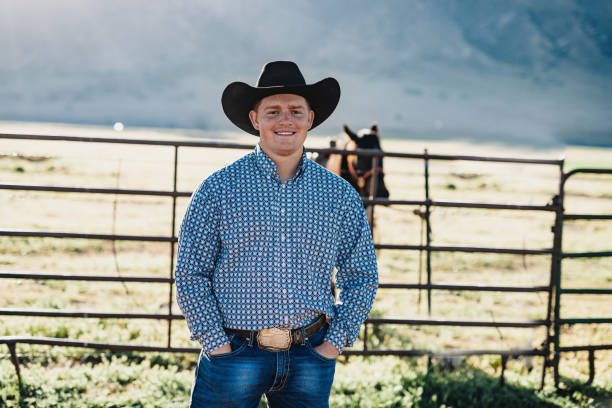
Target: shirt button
<point x="284" y="290"/>
<point x="286" y="319"/>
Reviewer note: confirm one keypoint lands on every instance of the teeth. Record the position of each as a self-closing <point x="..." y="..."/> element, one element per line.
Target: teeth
<point x="284" y="133"/>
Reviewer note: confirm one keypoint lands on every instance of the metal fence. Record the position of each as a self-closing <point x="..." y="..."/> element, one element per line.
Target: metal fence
<point x="551" y="348"/>
<point x="558" y="258"/>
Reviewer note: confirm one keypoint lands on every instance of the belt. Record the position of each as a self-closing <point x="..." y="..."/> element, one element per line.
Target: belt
<point x="280" y="339"/>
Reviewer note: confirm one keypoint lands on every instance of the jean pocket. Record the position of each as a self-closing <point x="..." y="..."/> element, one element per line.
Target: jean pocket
<point x="237" y="344"/>
<point x="316" y="340"/>
<point x="312" y="351"/>
<point x="203" y="357"/>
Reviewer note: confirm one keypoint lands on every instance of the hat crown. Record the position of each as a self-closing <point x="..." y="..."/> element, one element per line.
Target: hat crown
<point x="280" y="73"/>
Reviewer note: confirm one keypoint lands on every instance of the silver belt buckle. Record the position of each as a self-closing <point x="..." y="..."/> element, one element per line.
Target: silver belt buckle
<point x="274" y="339"/>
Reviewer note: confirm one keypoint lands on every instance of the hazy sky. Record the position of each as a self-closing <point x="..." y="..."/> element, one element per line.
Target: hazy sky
<point x="481" y="69"/>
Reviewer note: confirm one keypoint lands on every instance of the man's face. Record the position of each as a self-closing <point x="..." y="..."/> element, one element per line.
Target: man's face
<point x="283" y="122"/>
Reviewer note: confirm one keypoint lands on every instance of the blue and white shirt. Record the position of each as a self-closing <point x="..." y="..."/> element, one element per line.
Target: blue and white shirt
<point x="256" y="252"/>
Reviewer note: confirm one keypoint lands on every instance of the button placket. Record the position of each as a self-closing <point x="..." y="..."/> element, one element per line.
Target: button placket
<point x="285" y="221"/>
<point x="278" y="244"/>
<point x="282" y="238"/>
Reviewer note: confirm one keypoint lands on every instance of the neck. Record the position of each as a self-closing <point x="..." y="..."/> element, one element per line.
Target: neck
<point x="286" y="165"/>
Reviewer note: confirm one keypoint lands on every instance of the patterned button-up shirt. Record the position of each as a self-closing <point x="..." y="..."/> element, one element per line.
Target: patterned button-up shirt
<point x="257" y="252"/>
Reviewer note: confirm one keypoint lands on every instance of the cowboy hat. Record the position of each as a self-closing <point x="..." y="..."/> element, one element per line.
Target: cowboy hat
<point x="279" y="77"/>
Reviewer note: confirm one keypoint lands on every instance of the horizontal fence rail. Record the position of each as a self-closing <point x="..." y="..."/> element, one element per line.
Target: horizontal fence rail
<point x="551" y="323"/>
<point x="476" y="288"/>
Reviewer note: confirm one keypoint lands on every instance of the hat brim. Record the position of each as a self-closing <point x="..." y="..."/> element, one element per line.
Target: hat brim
<point x="238" y="100"/>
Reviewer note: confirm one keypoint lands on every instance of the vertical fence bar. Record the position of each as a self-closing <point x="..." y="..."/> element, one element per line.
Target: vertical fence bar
<point x="556" y="271"/>
<point x="172" y="245"/>
<point x="15" y="360"/>
<point x="504" y="363"/>
<point x="428" y="232"/>
<point x="591" y="367"/>
<point x="372" y="192"/>
<point x="552" y="280"/>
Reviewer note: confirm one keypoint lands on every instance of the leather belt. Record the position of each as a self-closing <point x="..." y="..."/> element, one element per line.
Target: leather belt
<point x="281" y="339"/>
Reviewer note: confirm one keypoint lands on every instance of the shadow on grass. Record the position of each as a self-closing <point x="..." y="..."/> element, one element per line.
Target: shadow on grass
<point x="472" y="387"/>
<point x="69" y="390"/>
<point x="576" y="390"/>
<point x="464" y="387"/>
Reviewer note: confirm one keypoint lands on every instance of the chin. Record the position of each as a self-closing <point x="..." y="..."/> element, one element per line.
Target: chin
<point x="286" y="152"/>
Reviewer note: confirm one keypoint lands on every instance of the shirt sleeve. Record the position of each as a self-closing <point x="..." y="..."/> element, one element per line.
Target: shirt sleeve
<point x="198" y="250"/>
<point x="356" y="276"/>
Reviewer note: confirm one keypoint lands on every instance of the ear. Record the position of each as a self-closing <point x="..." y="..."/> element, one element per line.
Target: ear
<point x="253" y="118"/>
<point x="310" y="118"/>
<point x="350" y="133"/>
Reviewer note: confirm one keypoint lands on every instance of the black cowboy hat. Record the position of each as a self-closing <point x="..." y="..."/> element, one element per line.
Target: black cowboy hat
<point x="279" y="77"/>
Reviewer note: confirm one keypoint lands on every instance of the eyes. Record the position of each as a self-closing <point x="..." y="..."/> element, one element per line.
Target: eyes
<point x="273" y="113"/>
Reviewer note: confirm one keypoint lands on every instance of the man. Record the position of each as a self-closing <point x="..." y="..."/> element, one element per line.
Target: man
<point x="257" y="248"/>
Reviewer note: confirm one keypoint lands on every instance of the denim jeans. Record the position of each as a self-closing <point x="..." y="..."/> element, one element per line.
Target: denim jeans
<point x="298" y="377"/>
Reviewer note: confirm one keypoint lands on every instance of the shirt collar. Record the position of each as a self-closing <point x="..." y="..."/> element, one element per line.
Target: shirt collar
<point x="268" y="167"/>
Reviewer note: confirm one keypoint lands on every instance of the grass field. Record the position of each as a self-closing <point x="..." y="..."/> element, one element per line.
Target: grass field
<point x="81" y="377"/>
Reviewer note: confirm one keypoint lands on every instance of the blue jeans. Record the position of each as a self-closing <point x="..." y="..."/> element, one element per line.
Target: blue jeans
<point x="298" y="377"/>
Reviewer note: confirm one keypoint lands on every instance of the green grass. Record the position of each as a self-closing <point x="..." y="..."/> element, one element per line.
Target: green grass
<point x="98" y="379"/>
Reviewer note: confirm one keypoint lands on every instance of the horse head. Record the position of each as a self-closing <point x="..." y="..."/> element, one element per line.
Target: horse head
<point x="358" y="170"/>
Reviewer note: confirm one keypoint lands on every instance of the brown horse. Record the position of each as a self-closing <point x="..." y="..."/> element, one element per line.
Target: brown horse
<point x="355" y="169"/>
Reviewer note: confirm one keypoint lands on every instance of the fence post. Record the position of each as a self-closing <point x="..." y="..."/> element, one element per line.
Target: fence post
<point x="556" y="272"/>
<point x="15" y="360"/>
<point x="428" y="232"/>
<point x="591" y="367"/>
<point x="172" y="245"/>
<point x="372" y="193"/>
<point x="504" y="362"/>
<point x="556" y="230"/>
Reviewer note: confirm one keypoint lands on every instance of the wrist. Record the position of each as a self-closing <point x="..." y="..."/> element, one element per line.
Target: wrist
<point x="329" y="350"/>
<point x="224" y="348"/>
<point x="334" y="344"/>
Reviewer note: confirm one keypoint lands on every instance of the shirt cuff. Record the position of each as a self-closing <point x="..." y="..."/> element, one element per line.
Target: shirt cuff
<point x="336" y="335"/>
<point x="212" y="339"/>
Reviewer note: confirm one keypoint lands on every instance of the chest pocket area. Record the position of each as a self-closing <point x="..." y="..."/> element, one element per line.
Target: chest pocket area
<point x="247" y="235"/>
<point x="318" y="237"/>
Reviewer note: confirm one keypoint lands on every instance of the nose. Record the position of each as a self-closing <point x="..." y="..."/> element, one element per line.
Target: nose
<point x="286" y="116"/>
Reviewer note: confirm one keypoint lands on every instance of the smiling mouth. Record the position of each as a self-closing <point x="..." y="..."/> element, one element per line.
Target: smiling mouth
<point x="284" y="133"/>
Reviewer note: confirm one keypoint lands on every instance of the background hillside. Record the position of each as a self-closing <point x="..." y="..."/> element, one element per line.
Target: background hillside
<point x="536" y="72"/>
